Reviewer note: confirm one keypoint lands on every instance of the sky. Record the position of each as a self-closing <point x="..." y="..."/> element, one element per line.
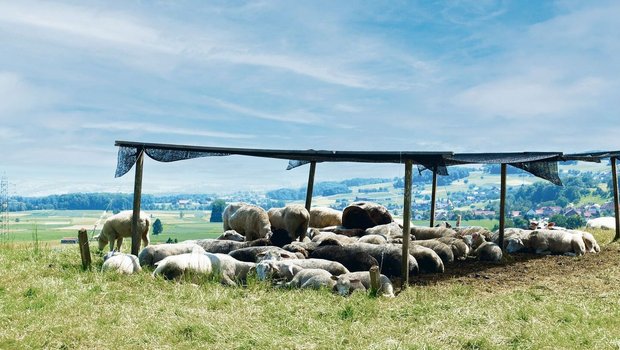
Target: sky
<point x="461" y="76"/>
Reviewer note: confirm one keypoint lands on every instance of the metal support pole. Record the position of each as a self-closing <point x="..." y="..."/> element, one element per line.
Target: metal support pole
<point x="406" y="224"/>
<point x="310" y="185"/>
<point x="502" y="207"/>
<point x="137" y="196"/>
<point x="433" y="197"/>
<point x="615" y="185"/>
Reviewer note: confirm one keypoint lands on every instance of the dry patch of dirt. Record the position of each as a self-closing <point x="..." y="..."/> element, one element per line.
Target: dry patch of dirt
<point x="593" y="271"/>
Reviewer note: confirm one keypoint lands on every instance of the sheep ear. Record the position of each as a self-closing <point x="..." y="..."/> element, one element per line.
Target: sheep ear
<point x="285" y="255"/>
<point x="290" y="270"/>
<point x="335" y="278"/>
<point x="260" y="255"/>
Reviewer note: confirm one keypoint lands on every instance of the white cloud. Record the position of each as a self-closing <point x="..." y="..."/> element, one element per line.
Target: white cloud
<point x="299" y="118"/>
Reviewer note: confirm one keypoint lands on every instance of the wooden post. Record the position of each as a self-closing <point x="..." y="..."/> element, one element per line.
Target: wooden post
<point x="406" y="224"/>
<point x="502" y="207"/>
<point x="137" y="196"/>
<point x="433" y="197"/>
<point x="615" y="184"/>
<point x="374" y="280"/>
<point x="310" y="185"/>
<point x="84" y="249"/>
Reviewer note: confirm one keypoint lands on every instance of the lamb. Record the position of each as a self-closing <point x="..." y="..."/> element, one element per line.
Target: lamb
<point x="229" y="269"/>
<point x="252" y="254"/>
<point x="247" y="219"/>
<point x="443" y="250"/>
<point x="323" y="217"/>
<point x="292" y="218"/>
<point x="428" y="260"/>
<point x="431" y="232"/>
<point x="225" y="247"/>
<point x="603" y="223"/>
<point x="313" y="279"/>
<point x="118" y="226"/>
<point x="353" y="261"/>
<point x="150" y="255"/>
<point x="364" y="215"/>
<point x="346" y="283"/>
<point x="288" y="268"/>
<point x="231" y="235"/>
<point x="556" y="242"/>
<point x="485" y="251"/>
<point x="121" y="263"/>
<point x="176" y="266"/>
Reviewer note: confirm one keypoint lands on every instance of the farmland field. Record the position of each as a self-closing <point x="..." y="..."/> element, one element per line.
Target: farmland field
<point x="526" y="302"/>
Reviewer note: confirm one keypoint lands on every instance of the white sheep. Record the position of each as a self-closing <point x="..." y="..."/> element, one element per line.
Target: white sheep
<point x="231" y="235"/>
<point x="323" y="235"/>
<point x="603" y="223"/>
<point x="118" y="226"/>
<point x="150" y="255"/>
<point x="175" y="266"/>
<point x="229" y="269"/>
<point x="324" y="216"/>
<point x="556" y="242"/>
<point x="589" y="241"/>
<point x="292" y="218"/>
<point x="313" y="279"/>
<point x="121" y="263"/>
<point x="373" y="239"/>
<point x="346" y="283"/>
<point x="247" y="219"/>
<point x="288" y="268"/>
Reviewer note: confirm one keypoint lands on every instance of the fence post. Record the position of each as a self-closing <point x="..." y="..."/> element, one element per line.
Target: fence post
<point x="84" y="249"/>
<point x="374" y="280"/>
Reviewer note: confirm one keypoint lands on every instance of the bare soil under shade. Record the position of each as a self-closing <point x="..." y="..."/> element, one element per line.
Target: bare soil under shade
<point x="526" y="270"/>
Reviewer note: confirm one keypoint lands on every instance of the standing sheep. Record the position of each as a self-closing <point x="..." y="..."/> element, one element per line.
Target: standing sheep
<point x="247" y="219"/>
<point x="324" y="216"/>
<point x="364" y="215"/>
<point x="118" y="226"/>
<point x="292" y="218"/>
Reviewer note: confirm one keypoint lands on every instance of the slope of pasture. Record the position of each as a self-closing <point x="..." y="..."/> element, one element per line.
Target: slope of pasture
<point x="552" y="302"/>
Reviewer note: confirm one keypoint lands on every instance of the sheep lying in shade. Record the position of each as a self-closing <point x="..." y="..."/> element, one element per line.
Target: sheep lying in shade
<point x="175" y="266"/>
<point x="360" y="281"/>
<point x="323" y="217"/>
<point x="443" y="250"/>
<point x="121" y="263"/>
<point x="152" y="254"/>
<point x="485" y="251"/>
<point x="253" y="254"/>
<point x="292" y="218"/>
<point x="118" y="226"/>
<point x="225" y="246"/>
<point x="589" y="241"/>
<point x="390" y="231"/>
<point x="431" y="232"/>
<point x="313" y="279"/>
<point x="428" y="260"/>
<point x="286" y="269"/>
<point x="353" y="261"/>
<point x="247" y="219"/>
<point x="229" y="269"/>
<point x="460" y="249"/>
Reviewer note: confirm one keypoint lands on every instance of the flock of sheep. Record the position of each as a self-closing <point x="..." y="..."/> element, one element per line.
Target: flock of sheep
<point x="324" y="248"/>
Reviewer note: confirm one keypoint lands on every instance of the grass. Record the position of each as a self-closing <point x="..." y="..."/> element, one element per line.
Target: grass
<point x="47" y="301"/>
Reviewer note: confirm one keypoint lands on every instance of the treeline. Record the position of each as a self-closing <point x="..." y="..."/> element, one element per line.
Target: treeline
<point x="99" y="201"/>
<point x="325" y="188"/>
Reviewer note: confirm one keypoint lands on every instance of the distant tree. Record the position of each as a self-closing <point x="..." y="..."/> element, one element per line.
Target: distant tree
<point x="520" y="222"/>
<point x="217" y="208"/>
<point x="181" y="214"/>
<point x="560" y="220"/>
<point x="575" y="221"/>
<point x="158" y="227"/>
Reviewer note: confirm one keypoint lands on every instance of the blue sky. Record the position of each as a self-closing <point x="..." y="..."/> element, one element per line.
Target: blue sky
<point x="463" y="76"/>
